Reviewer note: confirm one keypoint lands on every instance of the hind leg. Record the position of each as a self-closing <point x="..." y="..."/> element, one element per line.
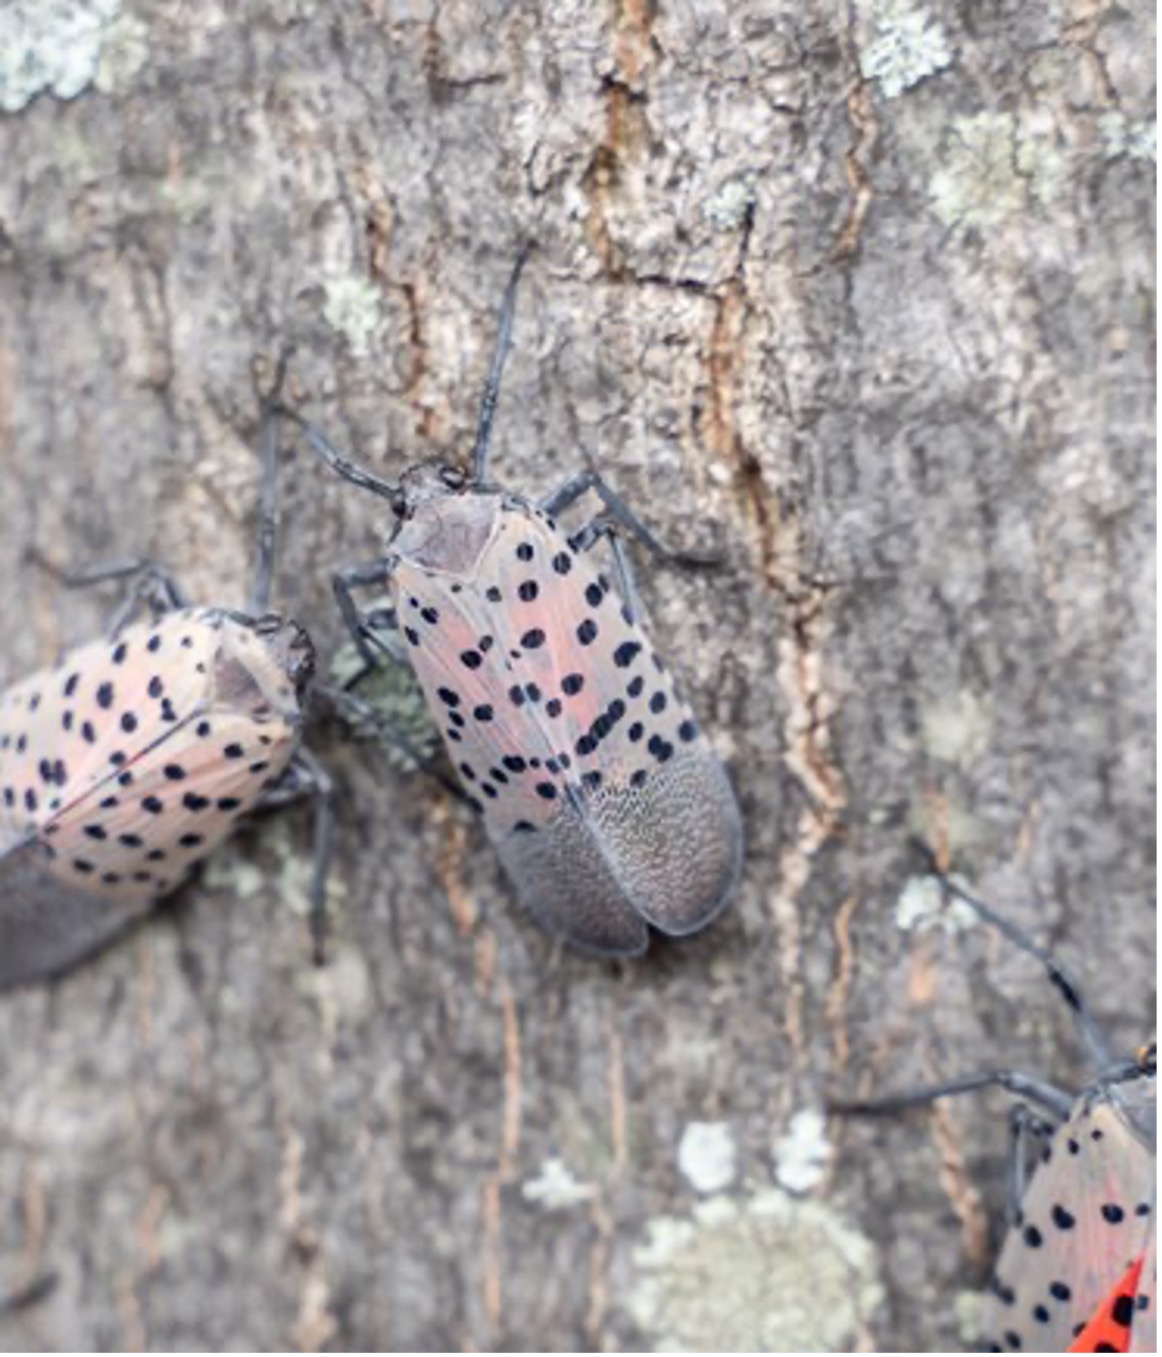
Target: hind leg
<point x="306" y="777"/>
<point x="609" y="529"/>
<point x="1055" y="1101"/>
<point x="150" y="584"/>
<point x="1059" y="977"/>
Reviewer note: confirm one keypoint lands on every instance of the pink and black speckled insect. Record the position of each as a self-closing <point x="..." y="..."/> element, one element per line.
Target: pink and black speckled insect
<point x="607" y="806"/>
<point x="1076" y="1271"/>
<point x="125" y="764"/>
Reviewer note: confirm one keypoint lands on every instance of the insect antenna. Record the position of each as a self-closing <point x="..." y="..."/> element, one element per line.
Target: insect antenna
<point x="491" y="396"/>
<point x="343" y="466"/>
<point x="1059" y="977"/>
<point x="260" y="589"/>
<point x="1046" y="1095"/>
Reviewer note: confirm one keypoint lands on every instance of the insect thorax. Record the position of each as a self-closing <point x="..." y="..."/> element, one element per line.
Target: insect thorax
<point x="262" y="667"/>
<point x="447" y="530"/>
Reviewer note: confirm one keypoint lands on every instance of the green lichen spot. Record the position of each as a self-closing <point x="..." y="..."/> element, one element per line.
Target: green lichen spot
<point x="969" y="1309"/>
<point x="296" y="870"/>
<point x="234" y="868"/>
<point x="392" y="701"/>
<point x="229" y="871"/>
<point x="996" y="168"/>
<point x="760" y="1273"/>
<point x="908" y="44"/>
<point x="978" y="184"/>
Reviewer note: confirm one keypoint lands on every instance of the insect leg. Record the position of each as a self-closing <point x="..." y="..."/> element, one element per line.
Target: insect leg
<point x="343" y="583"/>
<point x="619" y="510"/>
<point x="590" y="534"/>
<point x="1025" y="1128"/>
<point x="322" y="791"/>
<point x="358" y="712"/>
<point x="351" y="471"/>
<point x="268" y="504"/>
<point x="305" y="776"/>
<point x="151" y="584"/>
<point x="381" y="627"/>
<point x="1059" y="977"/>
<point x="1046" y="1095"/>
<point x="30" y="1294"/>
<point x="491" y="394"/>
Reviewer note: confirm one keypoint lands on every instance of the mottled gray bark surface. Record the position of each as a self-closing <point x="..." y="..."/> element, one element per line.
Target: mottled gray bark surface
<point x="862" y="292"/>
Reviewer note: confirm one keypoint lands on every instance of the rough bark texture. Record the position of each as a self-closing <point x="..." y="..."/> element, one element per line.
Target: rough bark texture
<point x="863" y="293"/>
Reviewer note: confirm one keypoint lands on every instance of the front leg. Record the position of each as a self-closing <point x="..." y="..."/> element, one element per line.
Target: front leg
<point x="369" y="644"/>
<point x="1026" y="1128"/>
<point x="618" y="510"/>
<point x="150" y="583"/>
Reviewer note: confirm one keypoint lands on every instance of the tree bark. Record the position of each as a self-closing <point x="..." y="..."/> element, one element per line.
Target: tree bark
<point x="862" y="295"/>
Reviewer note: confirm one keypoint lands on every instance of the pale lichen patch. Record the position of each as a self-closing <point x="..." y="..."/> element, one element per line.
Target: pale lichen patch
<point x="803" y="1151"/>
<point x="762" y="1273"/>
<point x="556" y="1188"/>
<point x="1135" y="139"/>
<point x="924" y="904"/>
<point x="728" y="208"/>
<point x="707" y="1155"/>
<point x="958" y="728"/>
<point x="353" y="307"/>
<point x="51" y="46"/>
<point x="909" y="44"/>
<point x="124" y="51"/>
<point x="995" y="166"/>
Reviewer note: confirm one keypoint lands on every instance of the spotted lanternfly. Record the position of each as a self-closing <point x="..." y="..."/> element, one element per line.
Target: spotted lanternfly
<point x="125" y="764"/>
<point x="603" y="798"/>
<point x="1076" y="1271"/>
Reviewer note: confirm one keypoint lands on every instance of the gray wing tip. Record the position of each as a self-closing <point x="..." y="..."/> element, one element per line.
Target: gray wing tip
<point x="46" y="927"/>
<point x="684" y="927"/>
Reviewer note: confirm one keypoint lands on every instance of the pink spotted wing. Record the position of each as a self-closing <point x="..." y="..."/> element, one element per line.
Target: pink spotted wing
<point x="1087" y="1216"/>
<point x="606" y="804"/>
<point x="1144" y="1333"/>
<point x="121" y="768"/>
